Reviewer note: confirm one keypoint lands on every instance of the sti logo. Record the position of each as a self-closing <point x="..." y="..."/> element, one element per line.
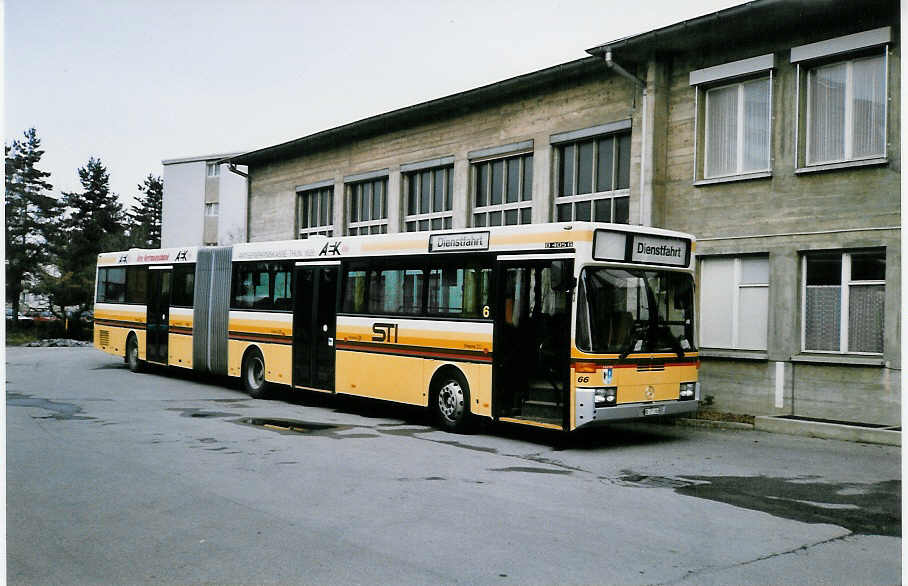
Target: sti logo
<point x="331" y="249"/>
<point x="181" y="255"/>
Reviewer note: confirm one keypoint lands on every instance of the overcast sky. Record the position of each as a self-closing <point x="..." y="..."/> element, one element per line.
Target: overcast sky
<point x="137" y="81"/>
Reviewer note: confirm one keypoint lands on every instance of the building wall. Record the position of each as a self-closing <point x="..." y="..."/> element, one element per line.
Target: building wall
<point x="784" y="216"/>
<point x="182" y="210"/>
<point x="599" y="100"/>
<point x="233" y="196"/>
<point x="187" y="189"/>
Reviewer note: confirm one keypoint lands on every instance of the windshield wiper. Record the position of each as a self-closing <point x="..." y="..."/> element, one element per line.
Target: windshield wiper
<point x="633" y="339"/>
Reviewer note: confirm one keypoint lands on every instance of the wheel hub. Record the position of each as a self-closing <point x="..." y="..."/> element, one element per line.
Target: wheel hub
<point x="450" y="401"/>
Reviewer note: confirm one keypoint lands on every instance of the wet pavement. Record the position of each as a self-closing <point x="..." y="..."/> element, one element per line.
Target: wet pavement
<point x="168" y="477"/>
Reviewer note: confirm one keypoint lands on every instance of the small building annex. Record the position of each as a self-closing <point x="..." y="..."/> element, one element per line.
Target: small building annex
<point x="769" y="130"/>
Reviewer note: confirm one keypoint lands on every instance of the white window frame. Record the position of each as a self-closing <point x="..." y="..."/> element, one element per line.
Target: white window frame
<point x="211" y="209"/>
<point x="739" y="135"/>
<point x="314" y="205"/>
<point x="848" y="121"/>
<point x="845" y="285"/>
<point x="737" y="285"/>
<point x="725" y="75"/>
<point x="442" y="215"/>
<point x="828" y="52"/>
<point x="593" y="196"/>
<point x="212" y="169"/>
<point x="380" y="223"/>
<point x="504" y="206"/>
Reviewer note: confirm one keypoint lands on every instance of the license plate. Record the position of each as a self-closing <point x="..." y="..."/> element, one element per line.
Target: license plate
<point x="653" y="410"/>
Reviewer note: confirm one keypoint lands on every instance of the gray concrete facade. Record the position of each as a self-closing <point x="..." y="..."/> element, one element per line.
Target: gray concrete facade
<point x="782" y="213"/>
<point x="199" y="208"/>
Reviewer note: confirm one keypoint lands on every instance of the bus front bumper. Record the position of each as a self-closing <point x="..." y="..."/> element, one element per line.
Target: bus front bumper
<point x="587" y="414"/>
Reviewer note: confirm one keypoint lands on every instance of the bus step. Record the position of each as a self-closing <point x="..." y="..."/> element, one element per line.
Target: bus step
<point x="543" y="393"/>
<point x="541" y="409"/>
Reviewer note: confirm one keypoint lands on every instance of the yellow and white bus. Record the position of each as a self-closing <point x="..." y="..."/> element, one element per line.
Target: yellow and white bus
<point x="559" y="326"/>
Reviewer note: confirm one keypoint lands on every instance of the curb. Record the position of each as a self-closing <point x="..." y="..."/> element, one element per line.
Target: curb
<point x="713" y="424"/>
<point x="836" y="431"/>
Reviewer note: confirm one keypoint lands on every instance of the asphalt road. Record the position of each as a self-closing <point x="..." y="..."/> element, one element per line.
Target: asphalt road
<point x="162" y="477"/>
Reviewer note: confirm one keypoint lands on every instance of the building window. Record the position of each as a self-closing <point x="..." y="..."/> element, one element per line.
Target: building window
<point x="737" y="128"/>
<point x="843" y="301"/>
<point x="212" y="169"/>
<point x="211" y="209"/>
<point x="736" y="291"/>
<point x="429" y="199"/>
<point x="594" y="180"/>
<point x="368" y="207"/>
<point x="503" y="191"/>
<point x="846" y="111"/>
<point x="842" y="96"/>
<point x="315" y="212"/>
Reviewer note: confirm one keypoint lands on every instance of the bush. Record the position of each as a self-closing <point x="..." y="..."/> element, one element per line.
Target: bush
<point x="29" y="330"/>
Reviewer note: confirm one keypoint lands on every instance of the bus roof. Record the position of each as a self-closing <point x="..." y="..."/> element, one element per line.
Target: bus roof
<point x="564" y="236"/>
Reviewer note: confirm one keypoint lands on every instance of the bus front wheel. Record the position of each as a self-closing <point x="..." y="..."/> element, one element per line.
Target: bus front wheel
<point x="451" y="402"/>
<point x="254" y="375"/>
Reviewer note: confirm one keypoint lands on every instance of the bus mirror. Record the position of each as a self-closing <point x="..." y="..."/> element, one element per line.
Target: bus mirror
<point x="562" y="277"/>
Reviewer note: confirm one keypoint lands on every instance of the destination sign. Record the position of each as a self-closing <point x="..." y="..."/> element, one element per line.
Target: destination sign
<point x="459" y="242"/>
<point x="659" y="250"/>
<point x="641" y="248"/>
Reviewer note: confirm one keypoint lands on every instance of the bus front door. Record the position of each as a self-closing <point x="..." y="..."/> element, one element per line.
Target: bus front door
<point x="532" y="342"/>
<point x="314" y="323"/>
<point x="157" y="320"/>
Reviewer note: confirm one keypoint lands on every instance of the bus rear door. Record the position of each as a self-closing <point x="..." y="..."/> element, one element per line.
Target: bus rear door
<point x="314" y="325"/>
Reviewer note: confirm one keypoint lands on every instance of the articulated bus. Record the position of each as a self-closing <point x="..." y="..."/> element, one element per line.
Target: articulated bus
<point x="560" y="326"/>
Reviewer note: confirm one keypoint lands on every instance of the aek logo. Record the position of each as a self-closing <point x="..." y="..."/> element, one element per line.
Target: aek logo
<point x="181" y="255"/>
<point x="331" y="249"/>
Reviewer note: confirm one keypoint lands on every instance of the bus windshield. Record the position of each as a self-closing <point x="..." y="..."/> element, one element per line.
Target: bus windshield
<point x="623" y="311"/>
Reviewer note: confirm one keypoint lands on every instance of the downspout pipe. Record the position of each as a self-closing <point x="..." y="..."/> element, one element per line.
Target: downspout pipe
<point x="640" y="83"/>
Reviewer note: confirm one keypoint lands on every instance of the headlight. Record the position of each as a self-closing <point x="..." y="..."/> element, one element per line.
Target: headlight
<point x="605" y="396"/>
<point x="688" y="391"/>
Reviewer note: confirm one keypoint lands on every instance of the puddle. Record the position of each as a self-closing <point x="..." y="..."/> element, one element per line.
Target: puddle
<point x="311" y="428"/>
<point x="530" y="469"/>
<point x="863" y="509"/>
<point x="60" y="411"/>
<point x="405" y="479"/>
<point x="200" y="414"/>
<point x="115" y="366"/>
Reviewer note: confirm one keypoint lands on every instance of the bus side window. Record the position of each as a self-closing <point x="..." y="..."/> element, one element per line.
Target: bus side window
<point x="355" y="292"/>
<point x="283" y="294"/>
<point x="394" y="291"/>
<point x="243" y="287"/>
<point x="136" y="284"/>
<point x="183" y="286"/>
<point x="112" y="285"/>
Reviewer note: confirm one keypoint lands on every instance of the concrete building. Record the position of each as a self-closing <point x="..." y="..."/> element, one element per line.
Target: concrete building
<point x="204" y="202"/>
<point x="769" y="130"/>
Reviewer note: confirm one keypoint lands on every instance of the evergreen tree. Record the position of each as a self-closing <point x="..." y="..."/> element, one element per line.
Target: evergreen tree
<point x="145" y="214"/>
<point x="30" y="212"/>
<point x="91" y="222"/>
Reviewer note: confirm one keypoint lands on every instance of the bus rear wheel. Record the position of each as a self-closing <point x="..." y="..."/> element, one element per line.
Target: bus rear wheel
<point x="253" y="375"/>
<point x="132" y="354"/>
<point x="451" y="402"/>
